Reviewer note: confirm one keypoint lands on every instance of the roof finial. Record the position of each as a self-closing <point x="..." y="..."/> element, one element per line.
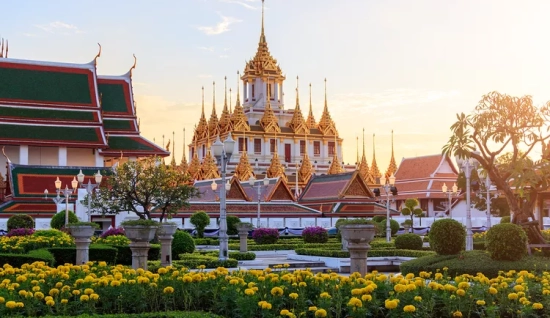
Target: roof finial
<point x="357" y="151"/>
<point x="262" y="36"/>
<point x="202" y="115"/>
<point x="297" y="95"/>
<point x="392" y="167"/>
<point x="4" y="153"/>
<point x="230" y="109"/>
<point x="225" y="89"/>
<point x="98" y="53"/>
<point x="238" y="89"/>
<point x="214" y="97"/>
<point x="133" y="66"/>
<point x="183" y="159"/>
<point x="1" y="47"/>
<point x="173" y="162"/>
<point x="326" y="103"/>
<point x="363" y="142"/>
<point x="7" y="46"/>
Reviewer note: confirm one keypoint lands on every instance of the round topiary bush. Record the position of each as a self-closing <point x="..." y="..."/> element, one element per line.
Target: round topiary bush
<point x="505" y="219"/>
<point x="378" y="218"/>
<point x="20" y="221"/>
<point x="408" y="242"/>
<point x="265" y="235"/>
<point x="394" y="225"/>
<point x="182" y="243"/>
<point x="447" y="237"/>
<point x="232" y="224"/>
<point x="506" y="242"/>
<point x="315" y="234"/>
<point x="200" y="220"/>
<point x="58" y="220"/>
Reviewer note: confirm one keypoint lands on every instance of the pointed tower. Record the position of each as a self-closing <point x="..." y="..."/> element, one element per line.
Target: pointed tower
<point x="238" y="117"/>
<point x="244" y="170"/>
<point x="184" y="166"/>
<point x="269" y="121"/>
<point x="276" y="169"/>
<point x="202" y="128"/>
<point x="213" y="129"/>
<point x="392" y="168"/>
<point x="209" y="168"/>
<point x="306" y="169"/>
<point x="195" y="165"/>
<point x="173" y="164"/>
<point x="297" y="123"/>
<point x="256" y="73"/>
<point x="326" y="124"/>
<point x="225" y="118"/>
<point x="335" y="166"/>
<point x="310" y="122"/>
<point x="374" y="171"/>
<point x="363" y="167"/>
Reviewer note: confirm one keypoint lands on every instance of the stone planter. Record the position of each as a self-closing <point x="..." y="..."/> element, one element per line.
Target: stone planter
<point x="407" y="228"/>
<point x="243" y="236"/>
<point x="358" y="237"/>
<point x="82" y="235"/>
<point x="166" y="234"/>
<point x="140" y="235"/>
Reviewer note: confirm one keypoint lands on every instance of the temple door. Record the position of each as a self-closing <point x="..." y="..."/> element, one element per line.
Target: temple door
<point x="287" y="153"/>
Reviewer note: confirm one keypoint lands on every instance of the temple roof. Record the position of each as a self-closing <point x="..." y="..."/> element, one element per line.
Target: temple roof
<point x="336" y="186"/>
<point x="132" y="145"/>
<point x="244" y="170"/>
<point x="297" y="123"/>
<point x="250" y="209"/>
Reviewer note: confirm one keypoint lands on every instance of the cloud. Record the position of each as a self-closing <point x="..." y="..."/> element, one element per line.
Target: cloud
<point x="219" y="28"/>
<point x="59" y="27"/>
<point x="244" y="3"/>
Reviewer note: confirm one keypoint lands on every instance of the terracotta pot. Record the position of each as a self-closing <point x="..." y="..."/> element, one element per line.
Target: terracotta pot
<point x="81" y="231"/>
<point x="167" y="229"/>
<point x="358" y="233"/>
<point x="140" y="233"/>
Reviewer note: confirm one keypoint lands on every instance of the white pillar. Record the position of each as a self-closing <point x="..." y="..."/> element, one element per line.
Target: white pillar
<point x="81" y="210"/>
<point x="245" y="90"/>
<point x="98" y="159"/>
<point x="62" y="156"/>
<point x="24" y="155"/>
<point x="276" y="93"/>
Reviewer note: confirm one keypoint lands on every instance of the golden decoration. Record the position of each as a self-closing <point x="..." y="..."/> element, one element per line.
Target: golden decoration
<point x="374" y="171"/>
<point x="244" y="170"/>
<point x="363" y="166"/>
<point x="326" y="124"/>
<point x="297" y="123"/>
<point x="225" y="118"/>
<point x="209" y="168"/>
<point x="202" y="128"/>
<point x="276" y="169"/>
<point x="238" y="117"/>
<point x="269" y="121"/>
<point x="184" y="166"/>
<point x="195" y="165"/>
<point x="306" y="170"/>
<point x="173" y="162"/>
<point x="310" y="122"/>
<point x="392" y="168"/>
<point x="335" y="167"/>
<point x="213" y="129"/>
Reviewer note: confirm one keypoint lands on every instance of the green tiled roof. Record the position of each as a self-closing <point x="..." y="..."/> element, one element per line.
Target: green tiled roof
<point x="34" y="113"/>
<point x="112" y="124"/>
<point x="112" y="98"/>
<point x="49" y="133"/>
<point x="129" y="143"/>
<point x="45" y="86"/>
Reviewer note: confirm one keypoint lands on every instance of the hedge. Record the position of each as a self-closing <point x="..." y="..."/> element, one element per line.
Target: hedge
<point x="97" y="253"/>
<point x="246" y="256"/>
<point x="371" y="253"/>
<point x="124" y="254"/>
<point x="473" y="262"/>
<point x="195" y="262"/>
<point x="160" y="314"/>
<point x="16" y="260"/>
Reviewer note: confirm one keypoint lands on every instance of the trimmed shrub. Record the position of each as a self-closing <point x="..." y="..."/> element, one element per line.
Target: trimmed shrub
<point x="20" y="221"/>
<point x="232" y="225"/>
<point x="265" y="235"/>
<point x="505" y="219"/>
<point x="200" y="220"/>
<point x="379" y="218"/>
<point x="16" y="260"/>
<point x="20" y="232"/>
<point x="49" y="233"/>
<point x="408" y="242"/>
<point x="113" y="231"/>
<point x="506" y="242"/>
<point x="58" y="220"/>
<point x="182" y="243"/>
<point x="124" y="254"/>
<point x="97" y="253"/>
<point x="315" y="234"/>
<point x="381" y="227"/>
<point x="447" y="237"/>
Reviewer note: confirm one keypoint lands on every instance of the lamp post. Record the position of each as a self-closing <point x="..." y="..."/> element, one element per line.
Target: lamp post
<point x="258" y="186"/>
<point x="450" y="193"/>
<point x="222" y="153"/>
<point x="389" y="188"/>
<point x="467" y="165"/>
<point x="488" y="199"/>
<point x="89" y="189"/>
<point x="66" y="192"/>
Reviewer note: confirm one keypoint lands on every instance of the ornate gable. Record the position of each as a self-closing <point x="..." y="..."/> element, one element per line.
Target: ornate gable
<point x="357" y="187"/>
<point x="276" y="169"/>
<point x="280" y="192"/>
<point x="209" y="169"/>
<point x="269" y="122"/>
<point x="236" y="192"/>
<point x="244" y="170"/>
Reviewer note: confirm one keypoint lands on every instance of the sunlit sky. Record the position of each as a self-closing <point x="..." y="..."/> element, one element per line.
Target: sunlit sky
<point x="404" y="65"/>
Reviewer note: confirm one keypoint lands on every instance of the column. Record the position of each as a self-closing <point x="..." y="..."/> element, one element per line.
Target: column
<point x="430" y="208"/>
<point x="296" y="155"/>
<point x="24" y="155"/>
<point x="245" y="90"/>
<point x="62" y="156"/>
<point x="98" y="158"/>
<point x="282" y="95"/>
<point x="276" y="93"/>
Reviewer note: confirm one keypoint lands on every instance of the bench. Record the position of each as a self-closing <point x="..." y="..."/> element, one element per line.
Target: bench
<point x="530" y="246"/>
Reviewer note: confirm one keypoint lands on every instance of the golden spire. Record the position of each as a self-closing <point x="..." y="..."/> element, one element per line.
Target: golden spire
<point x="244" y="170"/>
<point x="310" y="122"/>
<point x="326" y="124"/>
<point x="173" y="162"/>
<point x="335" y="166"/>
<point x="225" y="118"/>
<point x="269" y="121"/>
<point x="374" y="171"/>
<point x="363" y="167"/>
<point x="230" y="110"/>
<point x="357" y="152"/>
<point x="213" y="128"/>
<point x="276" y="169"/>
<point x="392" y="168"/>
<point x="262" y="35"/>
<point x="297" y="123"/>
<point x="184" y="167"/>
<point x="238" y="117"/>
<point x="306" y="169"/>
<point x="209" y="168"/>
<point x="195" y="165"/>
<point x="201" y="130"/>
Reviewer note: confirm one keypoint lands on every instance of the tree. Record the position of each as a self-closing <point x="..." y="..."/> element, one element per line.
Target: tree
<point x="144" y="187"/>
<point x="411" y="208"/>
<point x="503" y="124"/>
<point x="200" y="220"/>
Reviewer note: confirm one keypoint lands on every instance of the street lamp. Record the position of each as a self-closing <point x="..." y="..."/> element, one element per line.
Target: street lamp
<point x="389" y="188"/>
<point x="258" y="186"/>
<point x="222" y="153"/>
<point x="450" y="194"/>
<point x="467" y="165"/>
<point x="488" y="199"/>
<point x="66" y="192"/>
<point x="89" y="189"/>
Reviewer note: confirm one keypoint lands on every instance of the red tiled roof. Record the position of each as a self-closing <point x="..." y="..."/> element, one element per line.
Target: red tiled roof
<point x="250" y="209"/>
<point x="330" y="187"/>
<point x="417" y="167"/>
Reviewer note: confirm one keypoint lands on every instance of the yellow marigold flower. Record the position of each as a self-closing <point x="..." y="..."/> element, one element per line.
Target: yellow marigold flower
<point x="94" y="296"/>
<point x="249" y="292"/>
<point x="518" y="288"/>
<point x="493" y="290"/>
<point x="302" y="284"/>
<point x="480" y="302"/>
<point x="234" y="281"/>
<point x="320" y="313"/>
<point x="11" y="304"/>
<point x="381" y="278"/>
<point x="457" y="313"/>
<point x="88" y="291"/>
<point x="355" y="302"/>
<point x="54" y="291"/>
<point x="23" y="293"/>
<point x="277" y="291"/>
<point x="293" y="295"/>
<point x="168" y="290"/>
<point x="312" y="308"/>
<point x="162" y="271"/>
<point x="39" y="295"/>
<point x="64" y="301"/>
<point x="417" y="298"/>
<point x="390" y="303"/>
<point x="284" y="312"/>
<point x="325" y="295"/>
<point x="461" y="292"/>
<point x="366" y="298"/>
<point x="537" y="306"/>
<point x="58" y="285"/>
<point x="50" y="303"/>
<point x="512" y="296"/>
<point x="76" y="292"/>
<point x="35" y="288"/>
<point x="20" y="304"/>
<point x="84" y="298"/>
<point x="409" y="308"/>
<point x="463" y="285"/>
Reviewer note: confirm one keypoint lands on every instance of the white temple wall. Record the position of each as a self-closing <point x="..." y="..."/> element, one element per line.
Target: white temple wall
<point x="43" y="156"/>
<point x="81" y="157"/>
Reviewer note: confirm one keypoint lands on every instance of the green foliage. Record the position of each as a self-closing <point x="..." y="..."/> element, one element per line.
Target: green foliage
<point x="381" y="227"/>
<point x="232" y="222"/>
<point x="206" y="241"/>
<point x="408" y="242"/>
<point x="49" y="233"/>
<point x="19" y="221"/>
<point x="64" y="255"/>
<point x="505" y="219"/>
<point x="58" y="220"/>
<point x="378" y="218"/>
<point x="193" y="261"/>
<point x="124" y="254"/>
<point x="92" y="224"/>
<point x="121" y="240"/>
<point x="246" y="256"/>
<point x="159" y="314"/>
<point x="182" y="243"/>
<point x="17" y="260"/>
<point x="447" y="237"/>
<point x="506" y="242"/>
<point x="200" y="220"/>
<point x="411" y="208"/>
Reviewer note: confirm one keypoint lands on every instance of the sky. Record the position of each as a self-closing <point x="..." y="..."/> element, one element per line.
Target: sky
<point x="401" y="65"/>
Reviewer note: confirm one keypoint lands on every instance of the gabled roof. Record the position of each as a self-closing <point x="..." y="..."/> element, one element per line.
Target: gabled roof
<point x="132" y="145"/>
<point x="244" y="209"/>
<point x="236" y="191"/>
<point x="348" y="185"/>
<point x="116" y="96"/>
<point x="275" y="190"/>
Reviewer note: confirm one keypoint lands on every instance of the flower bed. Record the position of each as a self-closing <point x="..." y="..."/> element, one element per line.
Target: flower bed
<point x="38" y="290"/>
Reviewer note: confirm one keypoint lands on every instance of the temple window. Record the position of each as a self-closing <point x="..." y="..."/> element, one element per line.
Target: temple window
<point x="272" y="145"/>
<point x="270" y="91"/>
<point x="252" y="90"/>
<point x="243" y="144"/>
<point x="192" y="152"/>
<point x="331" y="148"/>
<point x="316" y="148"/>
<point x="203" y="150"/>
<point x="257" y="146"/>
<point x="302" y="147"/>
